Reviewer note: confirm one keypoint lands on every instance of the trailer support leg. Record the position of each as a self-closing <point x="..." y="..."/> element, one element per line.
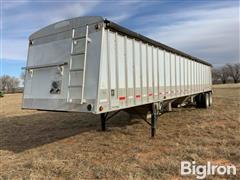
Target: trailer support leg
<point x="103" y="121"/>
<point x="153" y="120"/>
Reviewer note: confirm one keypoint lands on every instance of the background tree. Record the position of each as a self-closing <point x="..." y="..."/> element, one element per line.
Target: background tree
<point x="8" y="83"/>
<point x="224" y="74"/>
<point x="216" y="75"/>
<point x="4" y="82"/>
<point x="234" y="71"/>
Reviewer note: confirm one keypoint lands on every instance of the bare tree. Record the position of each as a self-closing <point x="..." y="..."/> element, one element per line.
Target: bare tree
<point x="234" y="71"/>
<point x="4" y="82"/>
<point x="8" y="83"/>
<point x="216" y="75"/>
<point x="224" y="74"/>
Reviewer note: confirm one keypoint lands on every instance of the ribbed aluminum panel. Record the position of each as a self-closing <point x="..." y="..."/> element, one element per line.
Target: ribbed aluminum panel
<point x="139" y="73"/>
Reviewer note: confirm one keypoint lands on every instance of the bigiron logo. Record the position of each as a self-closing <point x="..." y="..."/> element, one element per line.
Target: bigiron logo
<point x="202" y="171"/>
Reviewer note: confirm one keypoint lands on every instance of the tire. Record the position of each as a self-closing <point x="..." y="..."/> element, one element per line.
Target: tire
<point x="198" y="100"/>
<point x="205" y="101"/>
<point x="210" y="99"/>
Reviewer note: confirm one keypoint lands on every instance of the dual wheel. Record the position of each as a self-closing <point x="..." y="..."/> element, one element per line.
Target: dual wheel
<point x="204" y="100"/>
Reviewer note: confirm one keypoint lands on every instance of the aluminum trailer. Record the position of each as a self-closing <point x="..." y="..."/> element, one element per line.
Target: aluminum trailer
<point x="90" y="64"/>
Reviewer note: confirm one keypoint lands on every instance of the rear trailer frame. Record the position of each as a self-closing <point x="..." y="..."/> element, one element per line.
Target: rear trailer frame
<point x="90" y="64"/>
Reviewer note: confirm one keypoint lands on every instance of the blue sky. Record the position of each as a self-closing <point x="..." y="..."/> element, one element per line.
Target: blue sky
<point x="205" y="29"/>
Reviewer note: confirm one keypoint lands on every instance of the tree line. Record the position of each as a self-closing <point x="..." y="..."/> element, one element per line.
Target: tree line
<point x="9" y="84"/>
<point x="229" y="73"/>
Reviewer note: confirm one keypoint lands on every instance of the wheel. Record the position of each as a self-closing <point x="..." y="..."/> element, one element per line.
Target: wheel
<point x="205" y="101"/>
<point x="198" y="100"/>
<point x="210" y="99"/>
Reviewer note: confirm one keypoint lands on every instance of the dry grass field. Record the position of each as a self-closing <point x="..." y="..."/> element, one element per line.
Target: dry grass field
<point x="44" y="145"/>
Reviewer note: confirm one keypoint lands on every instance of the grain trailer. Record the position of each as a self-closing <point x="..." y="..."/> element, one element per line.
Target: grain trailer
<point x="90" y="64"/>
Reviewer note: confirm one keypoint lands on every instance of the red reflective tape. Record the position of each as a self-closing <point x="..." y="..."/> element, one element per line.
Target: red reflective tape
<point x="138" y="96"/>
<point x="122" y="98"/>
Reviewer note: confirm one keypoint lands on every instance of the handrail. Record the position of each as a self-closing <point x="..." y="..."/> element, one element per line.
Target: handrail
<point x="45" y="66"/>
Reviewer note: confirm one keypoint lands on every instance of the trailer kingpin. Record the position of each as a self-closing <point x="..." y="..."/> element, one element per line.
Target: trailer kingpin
<point x="90" y="64"/>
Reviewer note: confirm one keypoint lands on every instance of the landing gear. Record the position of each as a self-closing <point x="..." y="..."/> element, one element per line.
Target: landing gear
<point x="155" y="109"/>
<point x="105" y="117"/>
<point x="103" y="121"/>
<point x="153" y="119"/>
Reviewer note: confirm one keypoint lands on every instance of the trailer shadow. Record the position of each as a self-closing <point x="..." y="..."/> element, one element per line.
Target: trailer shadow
<point x="20" y="133"/>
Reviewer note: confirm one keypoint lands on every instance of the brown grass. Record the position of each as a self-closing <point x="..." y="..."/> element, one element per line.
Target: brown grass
<point x="40" y="145"/>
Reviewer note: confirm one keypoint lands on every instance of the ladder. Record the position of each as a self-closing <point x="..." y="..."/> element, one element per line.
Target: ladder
<point x="77" y="66"/>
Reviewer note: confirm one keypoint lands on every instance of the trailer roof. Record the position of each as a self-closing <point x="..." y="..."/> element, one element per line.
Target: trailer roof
<point x="81" y="21"/>
<point x="123" y="30"/>
<point x="66" y="25"/>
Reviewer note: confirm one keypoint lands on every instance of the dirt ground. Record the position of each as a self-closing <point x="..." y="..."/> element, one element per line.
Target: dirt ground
<point x="44" y="145"/>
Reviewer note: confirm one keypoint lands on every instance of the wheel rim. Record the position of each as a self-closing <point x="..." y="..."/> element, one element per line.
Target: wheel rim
<point x="210" y="99"/>
<point x="207" y="100"/>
